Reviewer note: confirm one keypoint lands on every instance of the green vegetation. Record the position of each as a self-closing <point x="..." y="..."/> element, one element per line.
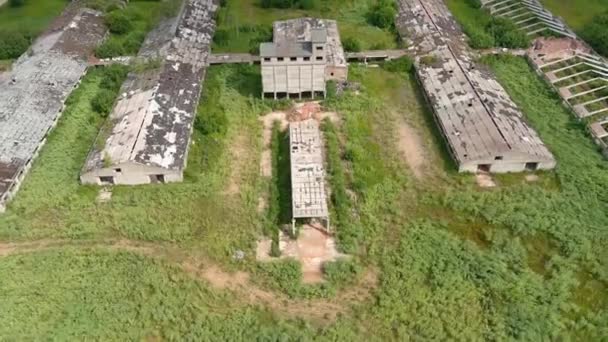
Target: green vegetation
<point x="382" y="14"/>
<point x="19" y="25"/>
<point x="72" y="294"/>
<point x="129" y="26"/>
<point x="485" y="31"/>
<point x="243" y="24"/>
<point x="112" y="79"/>
<point x="595" y="33"/>
<point x="301" y="4"/>
<point x="577" y="13"/>
<point x="524" y="261"/>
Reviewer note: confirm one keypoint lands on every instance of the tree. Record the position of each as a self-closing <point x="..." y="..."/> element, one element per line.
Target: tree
<point x="382" y="15"/>
<point x="351" y="44"/>
<point x="596" y="33"/>
<point x="13" y="44"/>
<point x="16" y="3"/>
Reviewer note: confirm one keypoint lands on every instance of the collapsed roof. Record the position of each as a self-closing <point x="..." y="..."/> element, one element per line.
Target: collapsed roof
<point x="476" y="114"/>
<point x="152" y="120"/>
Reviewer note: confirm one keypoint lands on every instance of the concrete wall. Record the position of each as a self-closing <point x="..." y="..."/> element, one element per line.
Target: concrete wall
<point x="293" y="77"/>
<point x="336" y="73"/>
<point x="507" y="165"/>
<point x="130" y="174"/>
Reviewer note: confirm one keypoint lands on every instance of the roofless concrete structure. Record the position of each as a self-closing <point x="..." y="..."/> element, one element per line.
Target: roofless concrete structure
<point x="148" y="133"/>
<point x="309" y="196"/>
<point x="484" y="128"/>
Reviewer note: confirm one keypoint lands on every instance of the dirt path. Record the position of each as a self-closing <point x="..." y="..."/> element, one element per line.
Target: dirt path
<point x="268" y="121"/>
<point x="322" y="311"/>
<point x="411" y="146"/>
<point x="239" y="161"/>
<point x="2" y="2"/>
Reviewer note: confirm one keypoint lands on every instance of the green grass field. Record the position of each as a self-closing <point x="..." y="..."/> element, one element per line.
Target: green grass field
<point x="576" y="13"/>
<point x="240" y="16"/>
<point x="524" y="261"/>
<point x="33" y="17"/>
<point x="434" y="257"/>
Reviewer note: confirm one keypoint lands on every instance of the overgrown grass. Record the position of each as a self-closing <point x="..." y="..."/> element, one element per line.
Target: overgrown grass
<point x="525" y="261"/>
<point x="484" y="30"/>
<point x="73" y="294"/>
<point x="31" y="18"/>
<point x="577" y="13"/>
<point x="52" y="203"/>
<point x="142" y="16"/>
<point x="244" y="22"/>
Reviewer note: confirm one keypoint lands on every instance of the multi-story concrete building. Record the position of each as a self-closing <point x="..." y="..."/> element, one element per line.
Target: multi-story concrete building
<point x="304" y="54"/>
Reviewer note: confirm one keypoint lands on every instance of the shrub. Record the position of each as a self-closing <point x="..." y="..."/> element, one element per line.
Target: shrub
<point x="221" y="37"/>
<point x="506" y="34"/>
<point x="479" y="39"/>
<point x="103" y="102"/>
<point x="16" y="3"/>
<point x="118" y="22"/>
<point x="403" y="64"/>
<point x="595" y="33"/>
<point x="341" y="272"/>
<point x="351" y="44"/>
<point x="13" y="44"/>
<point x="212" y="122"/>
<point x="382" y="15"/>
<point x="109" y="49"/>
<point x="284" y="275"/>
<point x="113" y="76"/>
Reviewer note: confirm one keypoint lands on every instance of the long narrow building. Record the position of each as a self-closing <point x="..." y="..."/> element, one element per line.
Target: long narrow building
<point x="33" y="93"/>
<point x="147" y="136"/>
<point x="484" y="129"/>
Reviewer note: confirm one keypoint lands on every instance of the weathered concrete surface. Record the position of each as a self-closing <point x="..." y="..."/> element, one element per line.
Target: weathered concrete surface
<point x="151" y="123"/>
<point x="34" y="91"/>
<point x="484" y="128"/>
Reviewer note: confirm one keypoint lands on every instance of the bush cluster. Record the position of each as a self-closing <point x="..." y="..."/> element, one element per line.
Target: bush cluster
<point x="382" y="14"/>
<point x="128" y="33"/>
<point x="351" y="44"/>
<point x="596" y="33"/>
<point x="401" y="65"/>
<point x="112" y="79"/>
<point x="497" y="32"/>
<point x="302" y="4"/>
<point x="13" y="44"/>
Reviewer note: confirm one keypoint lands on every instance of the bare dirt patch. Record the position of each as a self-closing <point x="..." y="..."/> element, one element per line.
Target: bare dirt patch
<point x="312" y="248"/>
<point x="411" y="146"/>
<point x="105" y="195"/>
<point x="322" y="311"/>
<point x="532" y="178"/>
<point x="485" y="180"/>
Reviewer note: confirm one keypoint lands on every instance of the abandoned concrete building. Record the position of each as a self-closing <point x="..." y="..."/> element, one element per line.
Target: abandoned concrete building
<point x="309" y="196"/>
<point x="147" y="136"/>
<point x="304" y="55"/>
<point x="484" y="129"/>
<point x="34" y="91"/>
